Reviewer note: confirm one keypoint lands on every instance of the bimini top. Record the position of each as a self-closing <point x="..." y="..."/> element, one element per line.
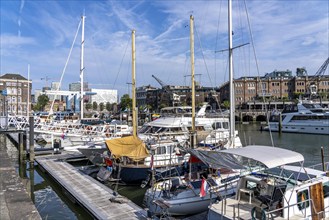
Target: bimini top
<point x="269" y="156"/>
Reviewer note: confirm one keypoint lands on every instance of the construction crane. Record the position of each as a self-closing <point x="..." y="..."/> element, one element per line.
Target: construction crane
<point x="314" y="80"/>
<point x="163" y="85"/>
<point x="175" y="98"/>
<point x="46" y="80"/>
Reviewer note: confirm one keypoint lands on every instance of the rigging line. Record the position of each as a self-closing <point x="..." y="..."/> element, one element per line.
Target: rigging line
<point x="243" y="51"/>
<point x="204" y="60"/>
<point x="262" y="90"/>
<point x="216" y="98"/>
<point x="67" y="60"/>
<point x="217" y="36"/>
<point x="116" y="78"/>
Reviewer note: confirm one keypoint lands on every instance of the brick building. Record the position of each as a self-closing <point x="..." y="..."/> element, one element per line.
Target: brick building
<point x="278" y="85"/>
<point x="15" y="92"/>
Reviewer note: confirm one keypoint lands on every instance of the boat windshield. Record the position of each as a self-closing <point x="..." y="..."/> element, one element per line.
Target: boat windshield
<point x="311" y="106"/>
<point x="290" y="108"/>
<point x="150" y="129"/>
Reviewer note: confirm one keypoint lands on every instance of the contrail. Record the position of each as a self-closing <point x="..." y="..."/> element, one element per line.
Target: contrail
<point x="19" y="17"/>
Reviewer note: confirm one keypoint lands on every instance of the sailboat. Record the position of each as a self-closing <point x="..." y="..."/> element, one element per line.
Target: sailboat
<point x="194" y="192"/>
<point x="133" y="158"/>
<point x="273" y="187"/>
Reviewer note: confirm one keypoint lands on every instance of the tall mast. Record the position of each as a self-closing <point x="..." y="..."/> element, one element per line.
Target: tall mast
<point x="28" y="91"/>
<point x="133" y="83"/>
<point x="192" y="71"/>
<point x="230" y="49"/>
<point x="82" y="65"/>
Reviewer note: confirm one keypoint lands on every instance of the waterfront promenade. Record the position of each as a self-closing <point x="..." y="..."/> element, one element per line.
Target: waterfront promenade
<point x="15" y="203"/>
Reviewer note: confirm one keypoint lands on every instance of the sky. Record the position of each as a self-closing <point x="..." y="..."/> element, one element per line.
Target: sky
<point x="44" y="38"/>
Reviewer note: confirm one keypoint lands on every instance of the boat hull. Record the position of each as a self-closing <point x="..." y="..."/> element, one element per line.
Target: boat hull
<point x="136" y="175"/>
<point x="182" y="204"/>
<point x="299" y="128"/>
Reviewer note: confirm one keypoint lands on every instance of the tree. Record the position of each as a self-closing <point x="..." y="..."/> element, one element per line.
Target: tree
<point x="125" y="102"/>
<point x="101" y="106"/>
<point x="89" y="106"/>
<point x="41" y="103"/>
<point x="108" y="106"/>
<point x="297" y="95"/>
<point x="95" y="105"/>
<point x="226" y="104"/>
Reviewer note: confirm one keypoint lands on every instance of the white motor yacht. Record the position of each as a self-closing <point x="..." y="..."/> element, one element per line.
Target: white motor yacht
<point x="305" y="117"/>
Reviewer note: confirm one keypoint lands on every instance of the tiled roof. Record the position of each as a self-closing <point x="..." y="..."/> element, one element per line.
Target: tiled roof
<point x="12" y="76"/>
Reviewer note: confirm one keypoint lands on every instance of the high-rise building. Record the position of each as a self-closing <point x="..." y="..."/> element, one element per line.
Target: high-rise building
<point x="77" y="86"/>
<point x="54" y="87"/>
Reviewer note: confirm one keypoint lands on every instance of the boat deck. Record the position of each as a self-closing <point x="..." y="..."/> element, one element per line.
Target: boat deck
<point x="231" y="208"/>
<point x="96" y="198"/>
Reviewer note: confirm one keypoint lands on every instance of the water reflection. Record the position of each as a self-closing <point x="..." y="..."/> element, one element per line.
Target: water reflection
<point x="52" y="202"/>
<point x="307" y="144"/>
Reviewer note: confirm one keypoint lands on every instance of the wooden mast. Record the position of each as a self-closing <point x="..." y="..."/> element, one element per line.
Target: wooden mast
<point x="133" y="83"/>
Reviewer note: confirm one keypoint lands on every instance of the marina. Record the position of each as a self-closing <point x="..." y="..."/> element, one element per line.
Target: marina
<point x="249" y="147"/>
<point x="250" y="134"/>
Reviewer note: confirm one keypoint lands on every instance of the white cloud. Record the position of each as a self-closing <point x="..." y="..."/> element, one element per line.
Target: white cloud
<point x="287" y="35"/>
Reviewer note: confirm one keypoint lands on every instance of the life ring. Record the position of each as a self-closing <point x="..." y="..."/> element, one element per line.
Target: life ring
<point x="253" y="214"/>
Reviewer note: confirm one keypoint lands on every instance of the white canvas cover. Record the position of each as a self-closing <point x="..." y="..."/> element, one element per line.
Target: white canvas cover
<point x="269" y="156"/>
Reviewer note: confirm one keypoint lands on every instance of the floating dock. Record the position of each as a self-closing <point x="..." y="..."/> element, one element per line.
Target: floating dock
<point x="97" y="199"/>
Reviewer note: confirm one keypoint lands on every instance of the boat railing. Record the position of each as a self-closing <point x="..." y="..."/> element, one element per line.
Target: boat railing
<point x="78" y="129"/>
<point x="271" y="213"/>
<point x="321" y="166"/>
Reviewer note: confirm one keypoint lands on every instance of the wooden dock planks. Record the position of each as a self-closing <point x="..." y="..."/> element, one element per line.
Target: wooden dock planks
<point x="91" y="194"/>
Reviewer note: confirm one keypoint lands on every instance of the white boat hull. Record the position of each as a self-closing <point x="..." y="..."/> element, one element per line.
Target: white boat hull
<point x="300" y="128"/>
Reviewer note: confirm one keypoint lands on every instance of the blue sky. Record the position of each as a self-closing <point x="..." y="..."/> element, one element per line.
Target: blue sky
<point x="286" y="35"/>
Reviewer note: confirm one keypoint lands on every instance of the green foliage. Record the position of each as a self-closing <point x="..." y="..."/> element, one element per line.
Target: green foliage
<point x="89" y="106"/>
<point x="108" y="106"/>
<point x="298" y="94"/>
<point x="226" y="104"/>
<point x="125" y="102"/>
<point x="101" y="106"/>
<point x="41" y="103"/>
<point x="95" y="105"/>
<point x="162" y="105"/>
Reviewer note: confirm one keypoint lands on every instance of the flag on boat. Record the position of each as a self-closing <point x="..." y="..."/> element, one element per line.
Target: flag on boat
<point x="204" y="188"/>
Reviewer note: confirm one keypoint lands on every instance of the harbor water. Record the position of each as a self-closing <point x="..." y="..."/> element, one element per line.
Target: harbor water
<point x="53" y="203"/>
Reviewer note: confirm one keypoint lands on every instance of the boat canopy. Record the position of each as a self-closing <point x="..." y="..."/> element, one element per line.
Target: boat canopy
<point x="216" y="160"/>
<point x="269" y="156"/>
<point x="130" y="146"/>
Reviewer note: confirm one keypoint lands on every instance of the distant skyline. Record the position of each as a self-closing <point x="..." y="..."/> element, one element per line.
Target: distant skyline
<point x="286" y="35"/>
